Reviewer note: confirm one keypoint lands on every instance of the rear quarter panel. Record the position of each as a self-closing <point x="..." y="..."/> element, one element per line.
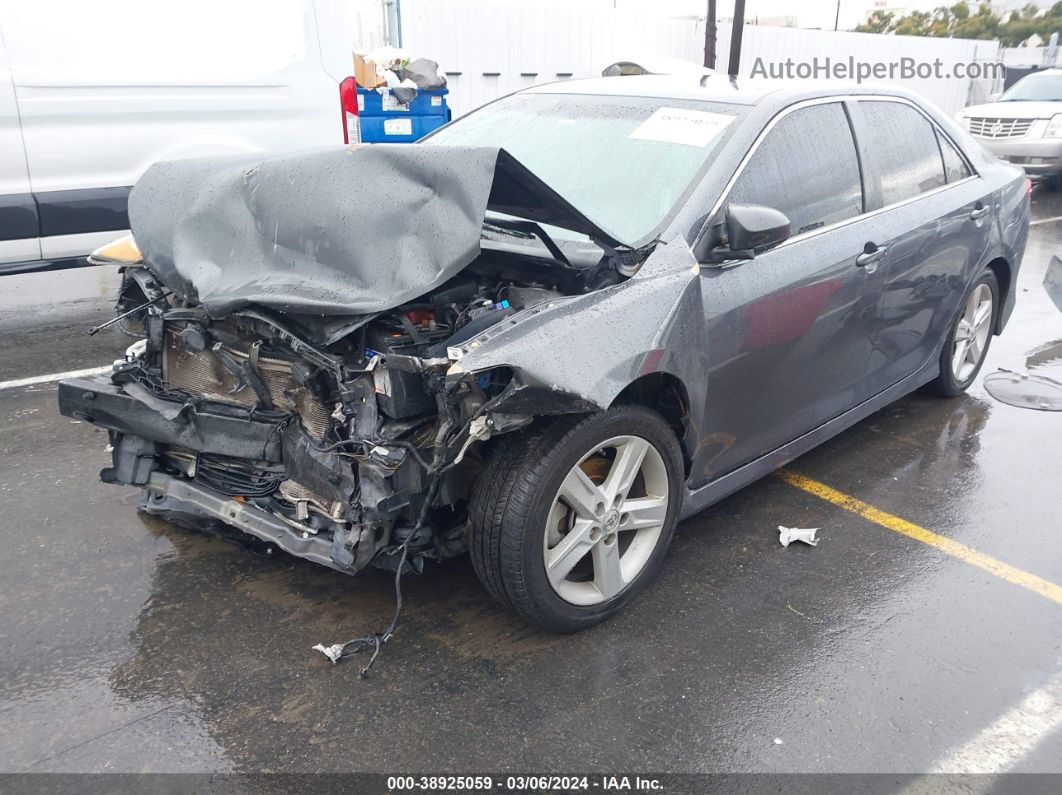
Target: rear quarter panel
<point x="1011" y="234"/>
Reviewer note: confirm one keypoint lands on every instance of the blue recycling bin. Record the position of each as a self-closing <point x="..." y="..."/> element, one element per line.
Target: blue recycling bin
<point x="385" y="120"/>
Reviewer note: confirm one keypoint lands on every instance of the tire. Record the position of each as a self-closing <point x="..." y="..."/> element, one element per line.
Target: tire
<point x="519" y="520"/>
<point x="953" y="380"/>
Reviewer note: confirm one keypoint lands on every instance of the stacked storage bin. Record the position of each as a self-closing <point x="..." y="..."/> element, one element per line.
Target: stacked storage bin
<point x="386" y="120"/>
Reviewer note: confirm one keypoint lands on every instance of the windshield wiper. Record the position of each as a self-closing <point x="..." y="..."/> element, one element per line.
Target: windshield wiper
<point x="502" y="230"/>
<point x="623" y="258"/>
<point x="527" y="230"/>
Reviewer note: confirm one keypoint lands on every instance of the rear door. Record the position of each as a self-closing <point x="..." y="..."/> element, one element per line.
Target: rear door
<point x="789" y="332"/>
<point x="19" y="240"/>
<point x="933" y="223"/>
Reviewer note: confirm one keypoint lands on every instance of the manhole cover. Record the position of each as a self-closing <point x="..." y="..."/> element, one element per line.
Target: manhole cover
<point x="1025" y="390"/>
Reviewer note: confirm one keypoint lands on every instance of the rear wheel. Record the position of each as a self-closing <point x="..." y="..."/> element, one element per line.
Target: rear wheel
<point x="967" y="344"/>
<point x="571" y="519"/>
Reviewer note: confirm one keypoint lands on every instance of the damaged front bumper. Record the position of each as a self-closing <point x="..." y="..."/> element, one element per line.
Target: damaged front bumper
<point x="145" y="431"/>
<point x="102" y="403"/>
<point x="171" y="496"/>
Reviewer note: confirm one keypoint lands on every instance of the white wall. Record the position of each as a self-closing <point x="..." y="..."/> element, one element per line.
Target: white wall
<point x="527" y="43"/>
<point x="534" y="42"/>
<point x="1027" y="56"/>
<point x="345" y="27"/>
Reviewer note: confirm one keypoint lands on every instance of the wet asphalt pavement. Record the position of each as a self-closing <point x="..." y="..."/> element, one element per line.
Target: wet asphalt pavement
<point x="130" y="645"/>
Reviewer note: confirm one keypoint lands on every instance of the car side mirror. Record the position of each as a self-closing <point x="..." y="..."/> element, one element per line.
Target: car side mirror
<point x="745" y="231"/>
<point x="752" y="228"/>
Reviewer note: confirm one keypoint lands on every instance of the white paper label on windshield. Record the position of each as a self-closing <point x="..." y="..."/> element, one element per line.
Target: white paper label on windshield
<point x="681" y="126"/>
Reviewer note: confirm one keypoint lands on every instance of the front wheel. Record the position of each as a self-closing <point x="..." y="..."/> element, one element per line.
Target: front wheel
<point x="571" y="519"/>
<point x="967" y="344"/>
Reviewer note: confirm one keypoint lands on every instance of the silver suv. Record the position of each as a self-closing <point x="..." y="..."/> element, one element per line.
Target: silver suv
<point x="1024" y="126"/>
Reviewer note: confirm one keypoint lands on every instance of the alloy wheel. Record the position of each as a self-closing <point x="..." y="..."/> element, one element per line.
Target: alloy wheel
<point x="971" y="335"/>
<point x="606" y="520"/>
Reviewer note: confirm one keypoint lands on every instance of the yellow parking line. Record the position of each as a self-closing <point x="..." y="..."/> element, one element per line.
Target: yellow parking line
<point x="1000" y="569"/>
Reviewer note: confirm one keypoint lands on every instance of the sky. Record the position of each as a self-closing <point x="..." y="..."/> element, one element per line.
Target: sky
<point x="810" y="13"/>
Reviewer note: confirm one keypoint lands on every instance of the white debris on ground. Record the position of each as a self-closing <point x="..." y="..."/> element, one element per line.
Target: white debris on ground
<point x="787" y="535"/>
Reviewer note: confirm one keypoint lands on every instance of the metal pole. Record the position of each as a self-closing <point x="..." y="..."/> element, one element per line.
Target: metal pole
<point x="393" y="22"/>
<point x="735" y="37"/>
<point x="710" y="36"/>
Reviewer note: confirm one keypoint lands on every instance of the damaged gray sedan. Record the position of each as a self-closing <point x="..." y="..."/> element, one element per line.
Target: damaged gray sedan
<point x="549" y="331"/>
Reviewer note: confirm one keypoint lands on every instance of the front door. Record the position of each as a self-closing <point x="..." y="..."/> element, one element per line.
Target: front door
<point x="790" y="331"/>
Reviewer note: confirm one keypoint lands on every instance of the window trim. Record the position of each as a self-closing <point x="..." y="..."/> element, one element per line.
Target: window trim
<point x="861" y="165"/>
<point x="937" y="131"/>
<point x="713" y="215"/>
<point x="943" y="140"/>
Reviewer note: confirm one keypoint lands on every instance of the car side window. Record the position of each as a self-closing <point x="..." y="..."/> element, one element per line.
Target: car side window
<point x="806" y="167"/>
<point x="904" y="146"/>
<point x="955" y="167"/>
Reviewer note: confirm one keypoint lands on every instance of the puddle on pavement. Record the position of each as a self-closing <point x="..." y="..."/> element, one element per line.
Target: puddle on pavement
<point x="1039" y="388"/>
<point x="1053" y="281"/>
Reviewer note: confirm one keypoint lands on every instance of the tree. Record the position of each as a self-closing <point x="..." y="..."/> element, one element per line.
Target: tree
<point x="940" y="23"/>
<point x="957" y="21"/>
<point x="1051" y="21"/>
<point x="1018" y="28"/>
<point x="914" y="24"/>
<point x="982" y="25"/>
<point x="879" y="22"/>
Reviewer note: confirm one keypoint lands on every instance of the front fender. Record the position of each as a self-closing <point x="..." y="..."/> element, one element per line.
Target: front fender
<point x="590" y="347"/>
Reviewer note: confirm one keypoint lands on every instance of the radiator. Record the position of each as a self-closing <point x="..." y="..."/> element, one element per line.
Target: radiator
<point x="205" y="375"/>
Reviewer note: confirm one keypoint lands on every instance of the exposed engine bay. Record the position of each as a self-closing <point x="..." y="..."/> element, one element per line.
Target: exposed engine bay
<point x="297" y="373"/>
<point x="341" y="453"/>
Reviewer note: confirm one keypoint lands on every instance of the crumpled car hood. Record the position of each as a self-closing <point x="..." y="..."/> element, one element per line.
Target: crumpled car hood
<point x="337" y="231"/>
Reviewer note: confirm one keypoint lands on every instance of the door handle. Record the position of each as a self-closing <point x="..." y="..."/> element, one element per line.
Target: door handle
<point x="979" y="211"/>
<point x="871" y="255"/>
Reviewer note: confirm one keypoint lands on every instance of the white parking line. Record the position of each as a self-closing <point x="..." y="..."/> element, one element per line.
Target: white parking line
<point x="1046" y="220"/>
<point x="1011" y="736"/>
<point x="45" y="379"/>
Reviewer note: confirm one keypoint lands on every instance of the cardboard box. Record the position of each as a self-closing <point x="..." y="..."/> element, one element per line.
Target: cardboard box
<point x="365" y="73"/>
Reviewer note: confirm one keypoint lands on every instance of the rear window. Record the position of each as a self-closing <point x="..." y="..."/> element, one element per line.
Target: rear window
<point x="624" y="162"/>
<point x="955" y="167"/>
<point x="904" y="145"/>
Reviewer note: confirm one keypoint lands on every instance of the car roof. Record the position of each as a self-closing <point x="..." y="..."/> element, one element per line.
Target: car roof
<point x="717" y="88"/>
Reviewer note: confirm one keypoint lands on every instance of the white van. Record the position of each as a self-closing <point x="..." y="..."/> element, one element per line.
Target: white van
<point x="91" y="94"/>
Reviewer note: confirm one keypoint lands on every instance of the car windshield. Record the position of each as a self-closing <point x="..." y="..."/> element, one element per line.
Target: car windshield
<point x="1036" y="88"/>
<point x="624" y="162"/>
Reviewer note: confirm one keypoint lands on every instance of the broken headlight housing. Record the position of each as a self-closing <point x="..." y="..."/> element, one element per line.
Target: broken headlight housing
<point x="123" y="251"/>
